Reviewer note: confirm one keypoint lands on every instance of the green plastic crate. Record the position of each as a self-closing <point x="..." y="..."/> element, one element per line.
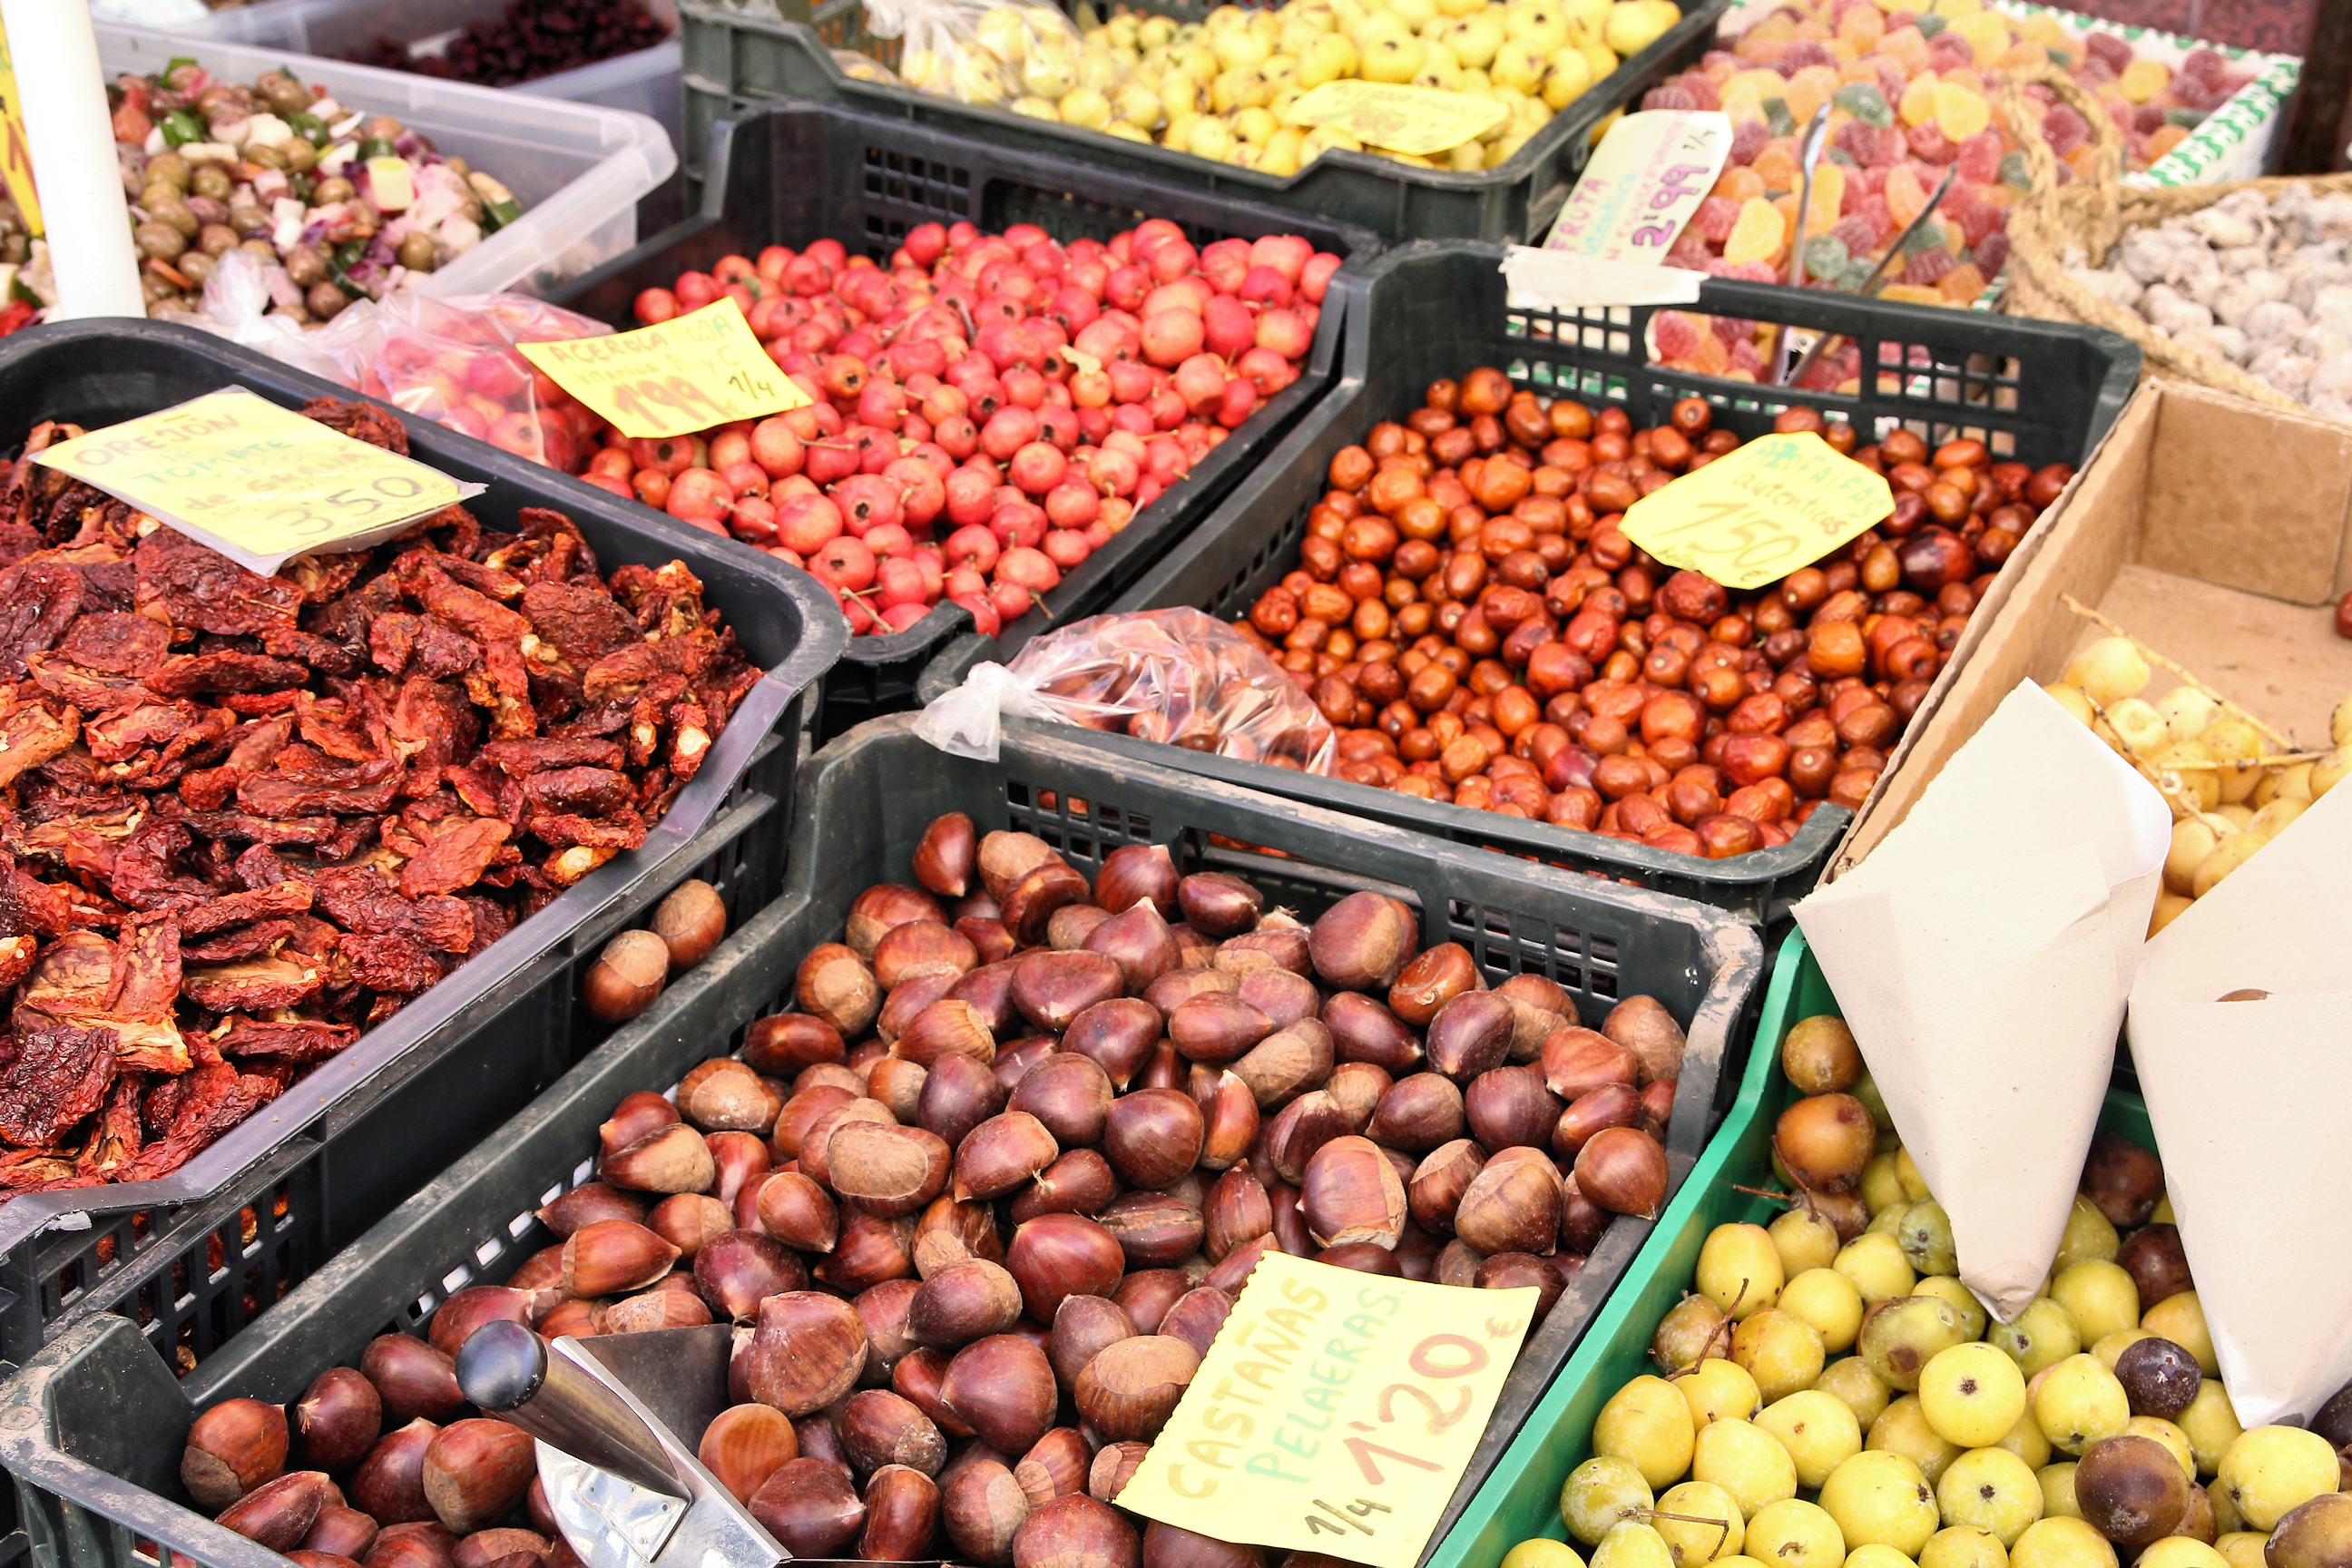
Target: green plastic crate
<point x="1521" y="1498"/>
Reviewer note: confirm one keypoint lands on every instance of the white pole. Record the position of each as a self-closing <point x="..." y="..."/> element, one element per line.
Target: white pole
<point x="54" y="51"/>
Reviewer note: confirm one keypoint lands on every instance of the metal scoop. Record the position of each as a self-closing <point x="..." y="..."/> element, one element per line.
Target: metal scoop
<point x="618" y="1418"/>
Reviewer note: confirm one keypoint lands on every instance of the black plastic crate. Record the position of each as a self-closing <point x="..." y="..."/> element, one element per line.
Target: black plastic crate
<point x="2035" y="392"/>
<point x="788" y="174"/>
<point x="734" y="59"/>
<point x="92" y="1428"/>
<point x="197" y="1255"/>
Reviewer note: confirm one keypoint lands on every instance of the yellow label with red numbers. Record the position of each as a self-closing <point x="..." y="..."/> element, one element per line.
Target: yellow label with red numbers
<point x="1760" y="511"/>
<point x="673" y="378"/>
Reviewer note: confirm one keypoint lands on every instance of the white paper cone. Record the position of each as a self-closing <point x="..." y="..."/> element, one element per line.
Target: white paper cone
<point x="2246" y="1101"/>
<point x="1982" y="955"/>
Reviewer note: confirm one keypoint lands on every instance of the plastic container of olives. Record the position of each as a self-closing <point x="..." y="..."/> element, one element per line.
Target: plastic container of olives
<point x="576" y="170"/>
<point x="644" y="80"/>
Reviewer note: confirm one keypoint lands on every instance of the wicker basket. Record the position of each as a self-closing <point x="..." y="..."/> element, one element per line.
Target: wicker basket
<point x="2092" y="214"/>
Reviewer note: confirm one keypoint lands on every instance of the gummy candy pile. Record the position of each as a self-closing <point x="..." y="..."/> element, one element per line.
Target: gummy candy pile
<point x="1911" y="94"/>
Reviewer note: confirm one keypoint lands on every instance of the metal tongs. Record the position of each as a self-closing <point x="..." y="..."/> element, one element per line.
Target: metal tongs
<point x="618" y="1418"/>
<point x="1808" y="155"/>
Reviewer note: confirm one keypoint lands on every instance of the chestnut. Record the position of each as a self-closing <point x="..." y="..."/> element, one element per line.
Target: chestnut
<point x="902" y="1510"/>
<point x="1056" y="1256"/>
<point x="810" y="1507"/>
<point x="1362" y="1030"/>
<point x="1054" y="1466"/>
<point x="690" y="921"/>
<point x="736" y="1271"/>
<point x="672" y="1159"/>
<point x="1218" y="905"/>
<point x="949" y="1232"/>
<point x="946" y="856"/>
<point x="1511" y="1205"/>
<point x="962" y="1303"/>
<point x="797" y="1211"/>
<point x="1351" y="1193"/>
<point x="981" y="1507"/>
<point x="1001" y="1153"/>
<point x="1139" y="873"/>
<point x="1152" y="1136"/>
<point x="1197" y="1316"/>
<point x="1422" y="1111"/>
<point x="610" y="1257"/>
<point x="234" y="1448"/>
<point x="746" y="1444"/>
<point x="1624" y="1172"/>
<point x="389" y="1485"/>
<point x="1138" y="941"/>
<point x="879" y="1427"/>
<point x="1115" y="1465"/>
<point x="1082" y="1326"/>
<point x="1119" y="1033"/>
<point x="590" y="1201"/>
<point x="279" y="1513"/>
<point x="412" y="1378"/>
<point x="1069" y="1094"/>
<point x="807" y="1353"/>
<point x="1075" y="1532"/>
<point x="1003" y="1388"/>
<point x="1217" y="1028"/>
<point x="1129" y="1390"/>
<point x="626" y="976"/>
<point x="887" y="1170"/>
<point x="337" y="1420"/>
<point x="476" y="1470"/>
<point x="1288" y="1062"/>
<point x="1470" y="1034"/>
<point x="782" y="1044"/>
<point x="1154" y="1229"/>
<point x="1080" y="1181"/>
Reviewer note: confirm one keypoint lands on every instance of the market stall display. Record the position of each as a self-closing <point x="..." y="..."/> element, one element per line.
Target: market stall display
<point x="454" y="1243"/>
<point x="1439" y="314"/>
<point x="489" y="1031"/>
<point x="739" y="56"/>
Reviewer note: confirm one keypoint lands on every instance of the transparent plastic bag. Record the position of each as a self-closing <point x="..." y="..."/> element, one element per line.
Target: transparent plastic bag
<point x="1174" y="676"/>
<point x="453" y="361"/>
<point x="1010" y="54"/>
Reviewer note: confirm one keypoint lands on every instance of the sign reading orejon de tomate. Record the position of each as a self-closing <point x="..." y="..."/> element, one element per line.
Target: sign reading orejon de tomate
<point x="1334" y="1413"/>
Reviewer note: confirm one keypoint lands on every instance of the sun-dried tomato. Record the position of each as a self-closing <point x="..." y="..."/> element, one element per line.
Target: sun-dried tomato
<point x="455" y="860"/>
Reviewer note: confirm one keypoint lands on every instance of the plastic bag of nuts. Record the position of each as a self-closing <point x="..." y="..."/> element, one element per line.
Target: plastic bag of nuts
<point x="1468" y="614"/>
<point x="1177" y="675"/>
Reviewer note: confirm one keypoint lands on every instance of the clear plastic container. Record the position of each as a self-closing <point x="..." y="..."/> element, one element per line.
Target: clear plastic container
<point x="578" y="169"/>
<point x="645" y="81"/>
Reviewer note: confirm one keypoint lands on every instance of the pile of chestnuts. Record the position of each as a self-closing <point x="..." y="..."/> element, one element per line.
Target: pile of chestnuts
<point x="980" y="1204"/>
<point x="1469" y="616"/>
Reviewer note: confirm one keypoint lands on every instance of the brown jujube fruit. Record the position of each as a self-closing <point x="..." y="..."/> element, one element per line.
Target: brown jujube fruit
<point x="810" y="1507"/>
<point x="1826" y="1141"/>
<point x="2158" y="1265"/>
<point x="1003" y="1388"/>
<point x="232" y="1449"/>
<point x="337" y="1421"/>
<point x="412" y="1378"/>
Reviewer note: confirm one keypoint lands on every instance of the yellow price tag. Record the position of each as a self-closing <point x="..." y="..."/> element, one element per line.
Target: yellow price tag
<point x="674" y="378"/>
<point x="1760" y="510"/>
<point x="1334" y="1413"/>
<point x="257" y="482"/>
<point x="16" y="153"/>
<point x="1416" y="120"/>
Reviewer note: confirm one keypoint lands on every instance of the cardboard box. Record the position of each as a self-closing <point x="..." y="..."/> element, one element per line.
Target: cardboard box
<point x="2215" y="530"/>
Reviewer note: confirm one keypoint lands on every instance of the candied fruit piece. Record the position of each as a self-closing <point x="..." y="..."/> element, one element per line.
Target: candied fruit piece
<point x="1757" y="234"/>
<point x="1776" y="165"/>
<point x="1856" y="233"/>
<point x="1864" y="103"/>
<point x="1910" y="294"/>
<point x="1702" y="90"/>
<point x="1960" y="113"/>
<point x="1805" y="53"/>
<point x="1747" y="358"/>
<point x="2161" y="143"/>
<point x="1826" y="255"/>
<point x="1739" y="184"/>
<point x="1674" y="333"/>
<point x="1929" y="266"/>
<point x="1873" y="211"/>
<point x="1861" y="25"/>
<point x="1828" y="196"/>
<point x="1905" y="198"/>
<point x="1714" y="218"/>
<point x="1712" y="357"/>
<point x="1986" y="34"/>
<point x="1962" y="284"/>
<point x="1930" y="145"/>
<point x="1947" y="52"/>
<point x="2206" y="66"/>
<point x="1747" y="139"/>
<point x="1689" y="250"/>
<point x="1917" y="105"/>
<point x="1980" y="158"/>
<point x="2143" y="80"/>
<point x="1978" y="219"/>
<point x="1992" y="255"/>
<point x="1808" y="90"/>
<point x="2064" y="129"/>
<point x="1732" y="329"/>
<point x="2108" y="48"/>
<point x="2013" y="171"/>
<point x="1906" y="47"/>
<point x="1755" y="272"/>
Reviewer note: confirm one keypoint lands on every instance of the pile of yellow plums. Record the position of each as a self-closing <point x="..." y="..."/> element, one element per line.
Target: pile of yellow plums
<point x="1831" y="1396"/>
<point x="2226" y="802"/>
<point x="1224" y="89"/>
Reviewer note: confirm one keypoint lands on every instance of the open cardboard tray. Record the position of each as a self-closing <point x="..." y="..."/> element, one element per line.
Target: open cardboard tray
<point x="94" y="1427"/>
<point x="792" y="172"/>
<point x="198" y="1252"/>
<point x="2212" y="528"/>
<point x="1521" y="1499"/>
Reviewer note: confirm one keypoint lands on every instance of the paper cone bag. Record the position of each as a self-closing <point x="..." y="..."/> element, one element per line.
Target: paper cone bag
<point x="2247" y="1101"/>
<point x="1982" y="956"/>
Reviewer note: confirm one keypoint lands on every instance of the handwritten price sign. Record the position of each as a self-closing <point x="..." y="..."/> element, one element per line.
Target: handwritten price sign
<point x="257" y="482"/>
<point x="1416" y="120"/>
<point x="674" y="378"/>
<point x="1335" y="1413"/>
<point x="1645" y="180"/>
<point x="1759" y="511"/>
